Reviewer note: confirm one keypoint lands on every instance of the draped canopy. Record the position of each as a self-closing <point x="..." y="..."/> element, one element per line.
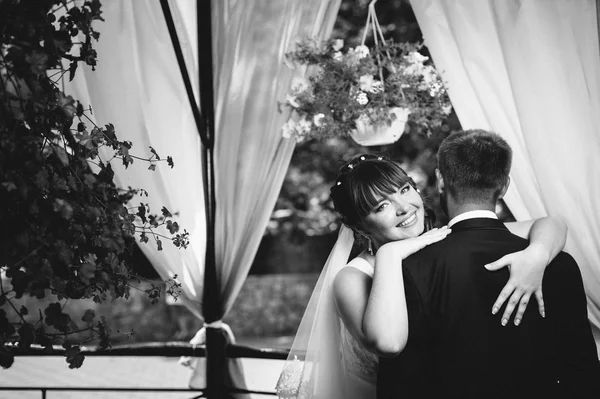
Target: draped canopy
<point x="138" y="87"/>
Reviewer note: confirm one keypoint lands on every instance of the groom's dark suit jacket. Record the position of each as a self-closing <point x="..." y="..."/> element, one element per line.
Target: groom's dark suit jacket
<point x="458" y="349"/>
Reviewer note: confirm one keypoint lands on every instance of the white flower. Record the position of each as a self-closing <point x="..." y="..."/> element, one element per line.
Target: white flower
<point x="296" y="130"/>
<point x="304" y="126"/>
<point x="292" y="100"/>
<point x="288" y="129"/>
<point x="337" y="45"/>
<point x="447" y="109"/>
<point x="432" y="81"/>
<point x="351" y="58"/>
<point x="368" y="84"/>
<point x="361" y="51"/>
<point x="430" y="75"/>
<point x="299" y="85"/>
<point x="318" y="119"/>
<point x="414" y="69"/>
<point x="362" y="98"/>
<point x="414" y="57"/>
<point x="337" y="56"/>
<point x="415" y="61"/>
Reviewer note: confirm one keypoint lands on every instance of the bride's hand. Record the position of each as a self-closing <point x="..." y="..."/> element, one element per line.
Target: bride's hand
<point x="409" y="246"/>
<point x="526" y="273"/>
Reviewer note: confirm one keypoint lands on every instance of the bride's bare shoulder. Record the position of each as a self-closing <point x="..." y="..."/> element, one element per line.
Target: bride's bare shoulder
<point x="352" y="282"/>
<point x="357" y="269"/>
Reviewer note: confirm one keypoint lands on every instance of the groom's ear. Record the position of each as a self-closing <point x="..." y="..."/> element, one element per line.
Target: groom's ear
<point x="504" y="188"/>
<point x="439" y="181"/>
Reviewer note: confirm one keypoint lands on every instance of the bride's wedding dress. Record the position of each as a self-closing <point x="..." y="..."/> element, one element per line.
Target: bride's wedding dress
<point x="325" y="360"/>
<point x="360" y="365"/>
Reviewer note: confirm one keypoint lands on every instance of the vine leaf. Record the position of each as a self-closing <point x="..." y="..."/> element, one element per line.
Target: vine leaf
<point x="74" y="357"/>
<point x="166" y="212"/>
<point x="154" y="153"/>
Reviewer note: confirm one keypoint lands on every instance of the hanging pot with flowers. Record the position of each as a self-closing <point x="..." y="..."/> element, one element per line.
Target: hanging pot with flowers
<point x="367" y="93"/>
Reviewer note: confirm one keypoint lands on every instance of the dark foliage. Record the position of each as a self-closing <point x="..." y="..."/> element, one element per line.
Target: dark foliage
<point x="67" y="229"/>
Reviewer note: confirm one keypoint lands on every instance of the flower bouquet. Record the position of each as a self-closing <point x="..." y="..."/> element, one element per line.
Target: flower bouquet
<point x="367" y="93"/>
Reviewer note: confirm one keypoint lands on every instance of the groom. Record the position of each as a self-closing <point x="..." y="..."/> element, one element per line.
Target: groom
<point x="456" y="347"/>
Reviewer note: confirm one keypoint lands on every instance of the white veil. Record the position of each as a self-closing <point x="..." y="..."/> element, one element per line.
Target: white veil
<point x="314" y="367"/>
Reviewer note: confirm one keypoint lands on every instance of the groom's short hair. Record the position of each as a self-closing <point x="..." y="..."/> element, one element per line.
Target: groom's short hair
<point x="475" y="165"/>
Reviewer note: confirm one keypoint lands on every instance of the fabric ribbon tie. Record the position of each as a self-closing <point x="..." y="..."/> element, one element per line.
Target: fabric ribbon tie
<point x="200" y="339"/>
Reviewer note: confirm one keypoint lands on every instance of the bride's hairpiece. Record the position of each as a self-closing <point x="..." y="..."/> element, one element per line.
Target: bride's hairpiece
<point x="350" y="165"/>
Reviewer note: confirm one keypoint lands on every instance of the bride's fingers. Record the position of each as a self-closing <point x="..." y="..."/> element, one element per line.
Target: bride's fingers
<point x="504" y="294"/>
<point x="522" y="307"/>
<point x="506" y="260"/>
<point x="435" y="236"/>
<point x="540" y="300"/>
<point x="510" y="306"/>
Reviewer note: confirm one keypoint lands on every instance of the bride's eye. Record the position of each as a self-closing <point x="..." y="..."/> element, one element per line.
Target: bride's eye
<point x="381" y="207"/>
<point x="405" y="189"/>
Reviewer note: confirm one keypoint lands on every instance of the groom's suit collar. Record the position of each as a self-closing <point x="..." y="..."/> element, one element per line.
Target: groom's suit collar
<point x="478" y="223"/>
<point x="472" y="215"/>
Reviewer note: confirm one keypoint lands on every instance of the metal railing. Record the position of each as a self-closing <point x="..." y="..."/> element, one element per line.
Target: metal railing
<point x="154" y="349"/>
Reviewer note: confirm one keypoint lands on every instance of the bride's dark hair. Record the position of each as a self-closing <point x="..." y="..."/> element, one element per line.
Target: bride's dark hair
<point x="365" y="179"/>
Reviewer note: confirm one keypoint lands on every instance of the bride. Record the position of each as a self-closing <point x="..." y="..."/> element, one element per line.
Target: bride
<point x="331" y="356"/>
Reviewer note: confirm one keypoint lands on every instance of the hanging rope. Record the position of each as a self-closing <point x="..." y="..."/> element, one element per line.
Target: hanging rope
<point x="373" y="25"/>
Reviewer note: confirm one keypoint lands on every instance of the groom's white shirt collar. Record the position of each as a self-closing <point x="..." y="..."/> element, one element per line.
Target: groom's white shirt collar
<point x="472" y="215"/>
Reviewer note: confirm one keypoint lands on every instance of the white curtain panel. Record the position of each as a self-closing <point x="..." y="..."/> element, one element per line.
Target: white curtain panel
<point x="530" y="71"/>
<point x="250" y="40"/>
<point x="138" y="88"/>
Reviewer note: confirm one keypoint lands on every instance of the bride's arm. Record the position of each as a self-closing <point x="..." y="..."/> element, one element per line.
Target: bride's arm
<point x="385" y="322"/>
<point x="374" y="310"/>
<point x="547" y="238"/>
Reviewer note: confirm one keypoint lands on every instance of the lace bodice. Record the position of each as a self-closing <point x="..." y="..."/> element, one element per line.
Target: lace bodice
<point x="358" y="361"/>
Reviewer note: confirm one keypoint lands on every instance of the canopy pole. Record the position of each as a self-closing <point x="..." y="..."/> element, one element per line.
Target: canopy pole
<point x="216" y="339"/>
<point x="182" y="67"/>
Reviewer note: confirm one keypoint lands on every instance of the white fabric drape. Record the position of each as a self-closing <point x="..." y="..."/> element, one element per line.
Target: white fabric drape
<point x="137" y="87"/>
<point x="250" y="39"/>
<point x="530" y="71"/>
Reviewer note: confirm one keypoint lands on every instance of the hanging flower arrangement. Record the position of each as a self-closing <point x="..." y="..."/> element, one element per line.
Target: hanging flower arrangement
<point x="368" y="93"/>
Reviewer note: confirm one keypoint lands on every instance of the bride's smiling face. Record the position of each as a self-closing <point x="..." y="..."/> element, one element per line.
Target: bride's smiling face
<point x="396" y="216"/>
